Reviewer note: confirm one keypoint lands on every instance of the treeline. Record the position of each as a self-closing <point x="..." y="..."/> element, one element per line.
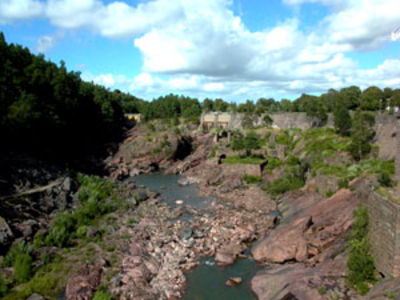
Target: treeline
<point x="47" y="110"/>
<point x="351" y="98"/>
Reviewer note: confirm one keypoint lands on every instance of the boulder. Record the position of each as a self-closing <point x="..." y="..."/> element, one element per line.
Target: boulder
<point x="223" y="259"/>
<point x="82" y="285"/>
<point x="319" y="224"/>
<point x="35" y="296"/>
<point x="297" y="281"/>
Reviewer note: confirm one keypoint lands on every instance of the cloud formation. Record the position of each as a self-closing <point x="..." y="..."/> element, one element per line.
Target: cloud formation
<point x="202" y="47"/>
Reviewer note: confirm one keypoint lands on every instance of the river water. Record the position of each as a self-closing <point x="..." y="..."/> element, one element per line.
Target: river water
<point x="207" y="281"/>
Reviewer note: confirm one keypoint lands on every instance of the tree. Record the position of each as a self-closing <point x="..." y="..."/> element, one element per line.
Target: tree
<point x="267" y="120"/>
<point x="372" y="99"/>
<point x="351" y="96"/>
<point x="248" y="143"/>
<point x="362" y="134"/>
<point x="248" y="121"/>
<point x="251" y="142"/>
<point x="342" y="120"/>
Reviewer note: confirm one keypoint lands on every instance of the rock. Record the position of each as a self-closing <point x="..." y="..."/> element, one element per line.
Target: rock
<point x="92" y="232"/>
<point x="236" y="280"/>
<point x="142" y="196"/>
<point x="186" y="233"/>
<point x="317" y="223"/>
<point x="223" y="259"/>
<point x="383" y="288"/>
<point x="82" y="285"/>
<point x="6" y="234"/>
<point x="179" y="202"/>
<point x="298" y="281"/>
<point x="35" y="296"/>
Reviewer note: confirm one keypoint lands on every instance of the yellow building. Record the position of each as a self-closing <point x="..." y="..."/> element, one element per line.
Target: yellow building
<point x="135" y="117"/>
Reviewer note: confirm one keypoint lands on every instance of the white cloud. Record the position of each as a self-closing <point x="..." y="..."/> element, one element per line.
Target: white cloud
<point x="45" y="43"/>
<point x="13" y="10"/>
<point x="202" y="47"/>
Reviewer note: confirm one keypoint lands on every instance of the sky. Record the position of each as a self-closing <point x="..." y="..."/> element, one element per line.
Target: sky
<point x="230" y="49"/>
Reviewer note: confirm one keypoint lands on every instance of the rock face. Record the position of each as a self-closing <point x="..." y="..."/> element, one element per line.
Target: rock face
<point x="82" y="285"/>
<point x="301" y="282"/>
<point x="385" y="289"/>
<point x="308" y="229"/>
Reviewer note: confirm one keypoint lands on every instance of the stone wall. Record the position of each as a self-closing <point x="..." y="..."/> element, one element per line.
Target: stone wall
<point x="242" y="169"/>
<point x="384" y="232"/>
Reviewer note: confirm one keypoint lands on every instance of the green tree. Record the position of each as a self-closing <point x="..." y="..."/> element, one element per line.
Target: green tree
<point x="251" y="142"/>
<point x="372" y="99"/>
<point x="267" y="120"/>
<point x="342" y="120"/>
<point x="362" y="133"/>
<point x="248" y="121"/>
<point x="351" y="97"/>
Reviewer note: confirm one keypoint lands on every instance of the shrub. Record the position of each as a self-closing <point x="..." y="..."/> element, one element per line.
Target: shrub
<point x="102" y="294"/>
<point x="361" y="268"/>
<point x="252" y="179"/>
<point x="283" y="185"/>
<point x="293" y="160"/>
<point x="273" y="163"/>
<point x="385" y="179"/>
<point x="15" y="251"/>
<point x="61" y="230"/>
<point x="3" y="285"/>
<point x="22" y="268"/>
<point x="94" y="187"/>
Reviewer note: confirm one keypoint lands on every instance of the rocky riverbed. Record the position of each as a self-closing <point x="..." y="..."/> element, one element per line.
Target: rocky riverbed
<point x="163" y="247"/>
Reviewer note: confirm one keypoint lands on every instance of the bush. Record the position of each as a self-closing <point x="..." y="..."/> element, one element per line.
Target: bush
<point x="293" y="160"/>
<point x="360" y="265"/>
<point x="3" y="285"/>
<point x="22" y="268"/>
<point x="273" y="163"/>
<point x="252" y="179"/>
<point x="15" y="251"/>
<point x="61" y="230"/>
<point x="385" y="179"/>
<point x="283" y="185"/>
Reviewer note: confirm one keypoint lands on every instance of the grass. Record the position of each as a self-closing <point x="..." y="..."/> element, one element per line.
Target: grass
<point x="283" y="185"/>
<point x="238" y="159"/>
<point x="252" y="179"/>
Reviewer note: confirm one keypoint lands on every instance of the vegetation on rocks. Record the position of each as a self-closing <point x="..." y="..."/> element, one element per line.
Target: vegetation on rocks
<point x="361" y="268"/>
<point x="252" y="179"/>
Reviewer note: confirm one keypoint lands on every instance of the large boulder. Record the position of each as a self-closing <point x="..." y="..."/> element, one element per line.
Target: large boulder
<point x="300" y="282"/>
<point x="309" y="231"/>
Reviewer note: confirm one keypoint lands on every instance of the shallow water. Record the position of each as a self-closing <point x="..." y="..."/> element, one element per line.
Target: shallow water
<point x="207" y="281"/>
<point x="170" y="190"/>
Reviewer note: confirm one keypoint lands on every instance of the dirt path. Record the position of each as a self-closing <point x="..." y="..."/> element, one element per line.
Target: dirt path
<point x="34" y="190"/>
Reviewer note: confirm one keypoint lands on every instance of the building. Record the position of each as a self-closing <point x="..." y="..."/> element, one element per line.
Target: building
<point x="220" y="120"/>
<point x="133" y="117"/>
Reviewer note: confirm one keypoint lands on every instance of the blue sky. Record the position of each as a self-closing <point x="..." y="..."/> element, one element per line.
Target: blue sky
<point x="237" y="50"/>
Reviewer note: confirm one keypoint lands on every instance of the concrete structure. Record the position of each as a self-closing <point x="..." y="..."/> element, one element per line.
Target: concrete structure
<point x="397" y="155"/>
<point x="217" y="120"/>
<point x="384" y="232"/>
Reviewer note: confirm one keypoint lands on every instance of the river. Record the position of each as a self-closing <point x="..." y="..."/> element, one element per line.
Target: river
<point x="207" y="281"/>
